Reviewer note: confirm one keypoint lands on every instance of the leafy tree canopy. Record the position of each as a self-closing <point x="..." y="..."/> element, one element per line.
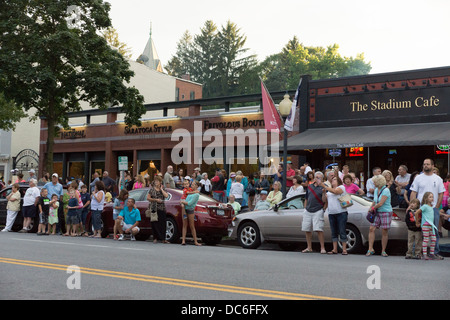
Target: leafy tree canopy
<point x="53" y="56"/>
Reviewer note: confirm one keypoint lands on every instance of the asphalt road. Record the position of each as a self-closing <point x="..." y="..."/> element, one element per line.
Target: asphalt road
<point x="36" y="267"/>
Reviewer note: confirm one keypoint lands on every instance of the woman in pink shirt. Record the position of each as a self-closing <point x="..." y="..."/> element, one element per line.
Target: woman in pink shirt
<point x="350" y="187"/>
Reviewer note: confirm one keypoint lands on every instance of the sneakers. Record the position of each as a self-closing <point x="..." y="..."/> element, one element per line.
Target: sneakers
<point x="121" y="237"/>
<point x="132" y="238"/>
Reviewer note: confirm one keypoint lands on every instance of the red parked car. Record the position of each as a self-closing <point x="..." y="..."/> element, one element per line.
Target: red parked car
<point x="212" y="218"/>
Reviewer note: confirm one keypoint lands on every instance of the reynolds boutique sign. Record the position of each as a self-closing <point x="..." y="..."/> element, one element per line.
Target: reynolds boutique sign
<point x="388" y="107"/>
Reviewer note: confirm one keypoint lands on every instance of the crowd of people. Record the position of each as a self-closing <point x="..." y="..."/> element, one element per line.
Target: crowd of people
<point x="424" y="195"/>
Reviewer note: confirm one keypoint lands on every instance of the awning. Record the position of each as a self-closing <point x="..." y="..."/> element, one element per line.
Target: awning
<point x="419" y="134"/>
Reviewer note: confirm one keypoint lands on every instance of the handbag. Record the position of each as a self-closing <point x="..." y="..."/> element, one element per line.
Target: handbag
<point x="372" y="213"/>
<point x="345" y="200"/>
<point x="151" y="212"/>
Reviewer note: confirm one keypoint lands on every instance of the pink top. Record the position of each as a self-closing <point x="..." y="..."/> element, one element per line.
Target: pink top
<point x="352" y="188"/>
<point x="446" y="187"/>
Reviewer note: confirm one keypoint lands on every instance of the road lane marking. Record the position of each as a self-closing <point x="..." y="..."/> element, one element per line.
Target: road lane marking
<point x="78" y="244"/>
<point x="171" y="281"/>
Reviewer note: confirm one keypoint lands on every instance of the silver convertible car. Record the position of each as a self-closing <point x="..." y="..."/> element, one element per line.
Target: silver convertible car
<point x="282" y="225"/>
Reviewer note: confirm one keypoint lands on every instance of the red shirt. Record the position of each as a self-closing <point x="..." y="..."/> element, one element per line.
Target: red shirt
<point x="185" y="191"/>
<point x="290" y="173"/>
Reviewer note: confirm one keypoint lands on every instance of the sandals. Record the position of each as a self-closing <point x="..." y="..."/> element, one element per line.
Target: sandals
<point x="307" y="251"/>
<point x="384" y="254"/>
<point x="370" y="253"/>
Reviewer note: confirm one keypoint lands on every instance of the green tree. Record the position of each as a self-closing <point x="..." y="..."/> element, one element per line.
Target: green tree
<point x="281" y="71"/>
<point x="52" y="56"/>
<point x="216" y="58"/>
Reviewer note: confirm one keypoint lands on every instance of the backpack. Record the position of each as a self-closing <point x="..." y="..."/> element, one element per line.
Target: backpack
<point x="410" y="220"/>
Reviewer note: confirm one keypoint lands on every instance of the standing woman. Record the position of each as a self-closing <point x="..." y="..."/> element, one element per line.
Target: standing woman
<point x="189" y="205"/>
<point x="336" y="214"/>
<point x="13" y="207"/>
<point x="391" y="186"/>
<point x="382" y="205"/>
<point x="156" y="197"/>
<point x="97" y="203"/>
<point x="139" y="182"/>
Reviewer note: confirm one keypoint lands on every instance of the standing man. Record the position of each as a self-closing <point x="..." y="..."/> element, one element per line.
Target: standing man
<point x="429" y="182"/>
<point x="370" y="186"/>
<point x="168" y="178"/>
<point x="32" y="174"/>
<point x="96" y="177"/>
<point x="290" y="173"/>
<point x="315" y="205"/>
<point x="401" y="181"/>
<point x="54" y="187"/>
<point x="30" y="200"/>
<point x="109" y="183"/>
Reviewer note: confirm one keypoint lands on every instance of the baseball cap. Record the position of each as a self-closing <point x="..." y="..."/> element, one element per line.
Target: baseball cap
<point x="55" y="175"/>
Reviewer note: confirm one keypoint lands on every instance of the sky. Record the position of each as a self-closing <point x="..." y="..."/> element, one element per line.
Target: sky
<point x="394" y="35"/>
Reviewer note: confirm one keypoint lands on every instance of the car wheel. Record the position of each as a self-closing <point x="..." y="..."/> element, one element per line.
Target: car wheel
<point x="354" y="241"/>
<point x="172" y="234"/>
<point x="249" y="236"/>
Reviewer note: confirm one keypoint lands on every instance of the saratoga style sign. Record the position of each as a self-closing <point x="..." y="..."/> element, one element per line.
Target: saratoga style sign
<point x="383" y="107"/>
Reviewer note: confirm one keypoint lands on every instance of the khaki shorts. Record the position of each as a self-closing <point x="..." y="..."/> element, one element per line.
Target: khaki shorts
<point x="313" y="221"/>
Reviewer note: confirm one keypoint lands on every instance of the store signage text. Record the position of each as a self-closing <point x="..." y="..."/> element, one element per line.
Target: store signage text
<point x="72" y="134"/>
<point x="151" y="129"/>
<point x="244" y="123"/>
<point x="376" y="105"/>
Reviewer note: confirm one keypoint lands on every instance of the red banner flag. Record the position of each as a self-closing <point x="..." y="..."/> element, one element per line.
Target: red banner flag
<point x="272" y="119"/>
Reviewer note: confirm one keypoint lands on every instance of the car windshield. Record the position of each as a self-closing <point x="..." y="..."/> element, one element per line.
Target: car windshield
<point x="201" y="196"/>
<point x="296" y="202"/>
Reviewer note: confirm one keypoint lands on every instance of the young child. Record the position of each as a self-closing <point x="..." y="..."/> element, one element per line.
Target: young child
<point x="428" y="227"/>
<point x="119" y="203"/>
<point x="72" y="215"/>
<point x="186" y="191"/>
<point x="53" y="214"/>
<point x="86" y="200"/>
<point x="43" y="207"/>
<point x="414" y="232"/>
<point x="236" y="205"/>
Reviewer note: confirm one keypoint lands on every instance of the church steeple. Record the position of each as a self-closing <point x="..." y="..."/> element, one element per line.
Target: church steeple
<point x="150" y="57"/>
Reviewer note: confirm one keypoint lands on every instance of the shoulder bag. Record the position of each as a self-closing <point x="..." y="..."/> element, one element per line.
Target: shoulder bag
<point x="372" y="213"/>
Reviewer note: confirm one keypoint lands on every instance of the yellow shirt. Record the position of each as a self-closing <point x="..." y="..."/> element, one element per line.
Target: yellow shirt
<point x="274" y="198"/>
<point x="14" y="205"/>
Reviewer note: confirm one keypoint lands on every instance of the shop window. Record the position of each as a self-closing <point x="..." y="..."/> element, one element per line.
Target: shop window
<point x="149" y="168"/>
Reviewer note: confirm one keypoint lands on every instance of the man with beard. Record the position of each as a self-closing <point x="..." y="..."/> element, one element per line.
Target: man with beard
<point x="429" y="182"/>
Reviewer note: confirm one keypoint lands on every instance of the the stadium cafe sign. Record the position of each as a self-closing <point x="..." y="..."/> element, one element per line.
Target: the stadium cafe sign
<point x="391" y="105"/>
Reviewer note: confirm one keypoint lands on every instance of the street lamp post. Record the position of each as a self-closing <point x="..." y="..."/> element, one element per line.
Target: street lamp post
<point x="285" y="108"/>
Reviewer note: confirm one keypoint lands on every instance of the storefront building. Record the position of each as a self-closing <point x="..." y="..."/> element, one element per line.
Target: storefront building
<point x="216" y="138"/>
<point x="380" y="120"/>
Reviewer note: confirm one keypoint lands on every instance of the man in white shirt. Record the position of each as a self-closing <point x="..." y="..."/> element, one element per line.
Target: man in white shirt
<point x="429" y="182"/>
<point x="402" y="180"/>
<point x="29" y="204"/>
<point x="370" y="185"/>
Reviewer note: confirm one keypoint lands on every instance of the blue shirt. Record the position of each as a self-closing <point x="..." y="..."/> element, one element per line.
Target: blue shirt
<point x="386" y="207"/>
<point x="191" y="199"/>
<point x="52" y="189"/>
<point x="130" y="217"/>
